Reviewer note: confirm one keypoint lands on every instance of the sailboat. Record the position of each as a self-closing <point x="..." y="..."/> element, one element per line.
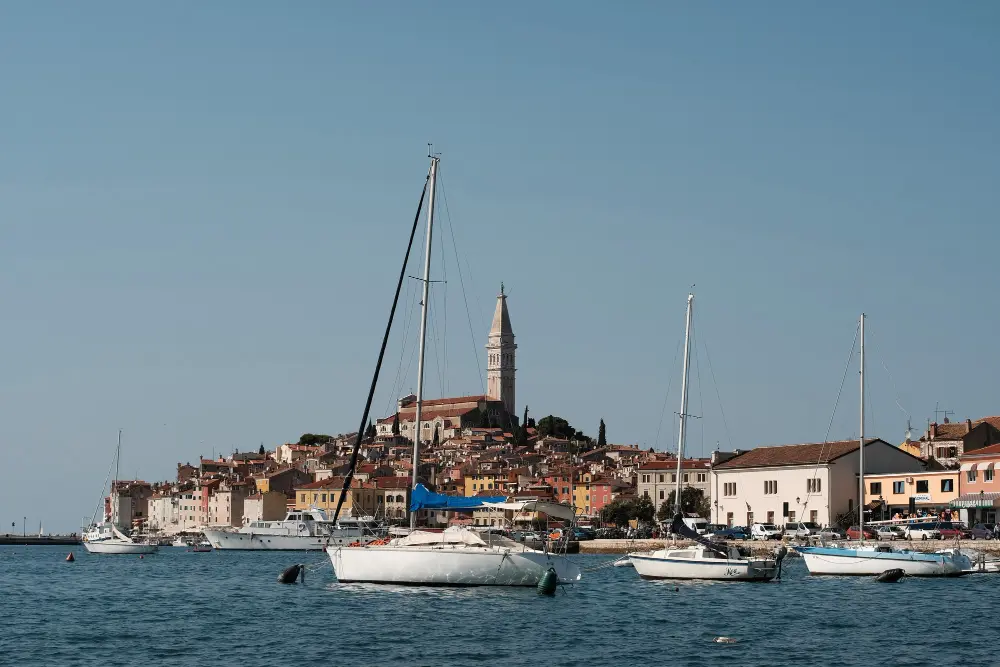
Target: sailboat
<point x="873" y="559"/>
<point x="456" y="556"/>
<point x="705" y="559"/>
<point x="105" y="537"/>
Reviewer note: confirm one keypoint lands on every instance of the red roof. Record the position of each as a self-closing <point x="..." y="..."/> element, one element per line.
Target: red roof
<point x="794" y="455"/>
<point x="687" y="464"/>
<point x="392" y="482"/>
<point x="992" y="450"/>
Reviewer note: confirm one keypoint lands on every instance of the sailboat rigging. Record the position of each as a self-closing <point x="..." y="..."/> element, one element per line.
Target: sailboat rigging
<point x="874" y="559"/>
<point x="457" y="556"/>
<point x="705" y="559"/>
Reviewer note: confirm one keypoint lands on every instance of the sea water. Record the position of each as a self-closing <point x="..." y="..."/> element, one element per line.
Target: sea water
<point x="226" y="609"/>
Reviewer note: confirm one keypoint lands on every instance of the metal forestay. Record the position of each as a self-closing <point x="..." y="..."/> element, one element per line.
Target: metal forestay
<point x="378" y="365"/>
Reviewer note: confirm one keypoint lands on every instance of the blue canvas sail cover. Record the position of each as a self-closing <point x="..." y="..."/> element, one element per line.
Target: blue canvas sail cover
<point x="421" y="498"/>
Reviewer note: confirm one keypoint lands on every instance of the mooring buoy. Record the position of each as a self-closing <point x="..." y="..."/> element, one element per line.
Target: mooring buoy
<point x="289" y="575"/>
<point x="548" y="582"/>
<point x="70" y="558"/>
<point x="890" y="576"/>
<point x="725" y="640"/>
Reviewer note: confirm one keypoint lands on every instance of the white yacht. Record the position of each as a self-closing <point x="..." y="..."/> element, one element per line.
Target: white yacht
<point x="869" y="559"/>
<point x="454" y="557"/>
<point x="301" y="530"/>
<point x="105" y="538"/>
<point x="703" y="560"/>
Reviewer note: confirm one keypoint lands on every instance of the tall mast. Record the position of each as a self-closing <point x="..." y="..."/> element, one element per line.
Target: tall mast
<point x="424" y="304"/>
<point x="682" y="431"/>
<point x="118" y="459"/>
<point x="861" y="455"/>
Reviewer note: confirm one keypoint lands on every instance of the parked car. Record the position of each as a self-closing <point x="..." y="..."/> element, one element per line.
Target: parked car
<point x="922" y="531"/>
<point x="802" y="530"/>
<point x="832" y="533"/>
<point x="982" y="531"/>
<point x="854" y="533"/>
<point x="730" y="533"/>
<point x="888" y="533"/>
<point x="953" y="530"/>
<point x="716" y="527"/>
<point x="765" y="531"/>
<point x="581" y="535"/>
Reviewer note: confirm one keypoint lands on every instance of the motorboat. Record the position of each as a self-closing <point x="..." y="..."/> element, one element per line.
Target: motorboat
<point x="872" y="559"/>
<point x="300" y="530"/>
<point x="701" y="562"/>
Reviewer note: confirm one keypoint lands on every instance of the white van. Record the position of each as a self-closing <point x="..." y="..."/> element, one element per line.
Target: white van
<point x="697" y="524"/>
<point x="764" y="531"/>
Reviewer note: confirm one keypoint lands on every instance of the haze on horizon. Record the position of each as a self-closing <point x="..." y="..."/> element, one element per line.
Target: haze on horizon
<point x="203" y="209"/>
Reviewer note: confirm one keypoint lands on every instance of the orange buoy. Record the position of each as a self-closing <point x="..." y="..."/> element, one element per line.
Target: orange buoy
<point x="70" y="558"/>
<point x="141" y="557"/>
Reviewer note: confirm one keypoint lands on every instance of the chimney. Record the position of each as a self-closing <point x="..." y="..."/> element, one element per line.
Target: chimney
<point x="968" y="425"/>
<point x="932" y="431"/>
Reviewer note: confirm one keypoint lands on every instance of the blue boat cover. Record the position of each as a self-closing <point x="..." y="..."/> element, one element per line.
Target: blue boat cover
<point x="421" y="498"/>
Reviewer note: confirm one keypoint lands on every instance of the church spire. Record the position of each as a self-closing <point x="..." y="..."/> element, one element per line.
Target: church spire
<point x="500" y="356"/>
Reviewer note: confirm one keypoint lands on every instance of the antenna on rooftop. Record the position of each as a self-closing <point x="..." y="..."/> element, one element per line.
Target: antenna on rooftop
<point x="942" y="412"/>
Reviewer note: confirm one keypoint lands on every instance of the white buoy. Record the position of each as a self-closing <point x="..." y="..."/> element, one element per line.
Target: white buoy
<point x="725" y="640"/>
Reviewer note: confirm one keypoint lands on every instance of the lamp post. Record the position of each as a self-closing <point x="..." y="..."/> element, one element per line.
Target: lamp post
<point x="24" y="523"/>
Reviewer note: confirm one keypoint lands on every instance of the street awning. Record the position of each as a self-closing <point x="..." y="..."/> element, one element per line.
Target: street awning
<point x="976" y="500"/>
<point x="989" y="466"/>
<point x="969" y="466"/>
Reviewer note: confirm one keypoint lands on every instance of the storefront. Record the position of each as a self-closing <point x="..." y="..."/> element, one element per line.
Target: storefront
<point x="977" y="507"/>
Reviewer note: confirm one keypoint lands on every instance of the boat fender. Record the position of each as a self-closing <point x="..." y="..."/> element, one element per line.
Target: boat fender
<point x="548" y="582"/>
<point x="890" y="576"/>
<point x="725" y="640"/>
<point x="290" y="574"/>
<point x="70" y="558"/>
<point x="141" y="556"/>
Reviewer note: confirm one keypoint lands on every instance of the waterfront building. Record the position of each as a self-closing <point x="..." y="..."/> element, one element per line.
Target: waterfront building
<point x="815" y="482"/>
<point x="361" y="501"/>
<point x="226" y="504"/>
<point x="591" y="493"/>
<point x="928" y="491"/>
<point x="980" y="497"/>
<point x="658" y="479"/>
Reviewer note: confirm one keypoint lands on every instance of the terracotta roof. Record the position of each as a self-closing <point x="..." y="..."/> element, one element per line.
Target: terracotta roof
<point x="992" y="421"/>
<point x="392" y="482"/>
<point x="949" y="431"/>
<point x="992" y="450"/>
<point x="330" y="482"/>
<point x="687" y="464"/>
<point x="794" y="455"/>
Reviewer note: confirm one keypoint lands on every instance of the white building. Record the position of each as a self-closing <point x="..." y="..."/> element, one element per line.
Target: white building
<point x="658" y="479"/>
<point x="164" y="512"/>
<point x="809" y="482"/>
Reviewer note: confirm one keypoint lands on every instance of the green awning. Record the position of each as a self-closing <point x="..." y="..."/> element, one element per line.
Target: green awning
<point x="976" y="501"/>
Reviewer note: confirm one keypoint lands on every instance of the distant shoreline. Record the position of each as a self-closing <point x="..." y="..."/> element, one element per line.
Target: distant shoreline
<point x="36" y="540"/>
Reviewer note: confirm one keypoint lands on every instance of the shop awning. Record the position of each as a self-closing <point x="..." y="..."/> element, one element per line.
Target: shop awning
<point x="989" y="466"/>
<point x="969" y="466"/>
<point x="976" y="500"/>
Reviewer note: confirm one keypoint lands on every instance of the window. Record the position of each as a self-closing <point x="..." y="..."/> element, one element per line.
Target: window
<point x="770" y="517"/>
<point x="923" y="486"/>
<point x="770" y="488"/>
<point x="813" y="485"/>
<point x="791" y="516"/>
<point x="323" y="497"/>
<point x="685" y="478"/>
<point x="673" y="478"/>
<point x="661" y="494"/>
<point x="814" y="515"/>
<point x="661" y="478"/>
<point x="702" y="477"/>
<point x="947" y="485"/>
<point x="645" y="479"/>
<point x="729" y="489"/>
<point x="875" y="488"/>
<point x="898" y="488"/>
<point x="302" y="497"/>
<point x="646" y="493"/>
<point x="729" y="519"/>
<point x="988" y="475"/>
<point x="970" y="476"/>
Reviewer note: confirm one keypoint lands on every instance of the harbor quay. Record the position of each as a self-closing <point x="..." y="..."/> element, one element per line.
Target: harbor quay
<point x="767" y="547"/>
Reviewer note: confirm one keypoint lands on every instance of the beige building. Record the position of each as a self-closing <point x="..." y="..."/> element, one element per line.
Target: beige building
<point x="270" y="506"/>
<point x="810" y="482"/>
<point x="658" y="479"/>
<point x="225" y="505"/>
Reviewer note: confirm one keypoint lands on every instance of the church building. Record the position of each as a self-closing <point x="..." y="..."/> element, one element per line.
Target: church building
<point x="450" y="415"/>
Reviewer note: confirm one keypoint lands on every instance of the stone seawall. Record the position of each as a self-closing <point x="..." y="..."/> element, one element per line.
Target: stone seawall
<point x="989" y="547"/>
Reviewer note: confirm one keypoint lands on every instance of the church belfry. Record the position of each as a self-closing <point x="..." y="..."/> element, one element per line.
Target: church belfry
<point x="500" y="357"/>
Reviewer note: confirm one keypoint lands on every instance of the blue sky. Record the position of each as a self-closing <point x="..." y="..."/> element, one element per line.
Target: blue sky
<point x="203" y="207"/>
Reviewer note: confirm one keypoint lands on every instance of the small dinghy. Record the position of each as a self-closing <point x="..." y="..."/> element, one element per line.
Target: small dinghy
<point x="890" y="576"/>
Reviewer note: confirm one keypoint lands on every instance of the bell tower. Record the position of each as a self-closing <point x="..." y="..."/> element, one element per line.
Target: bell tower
<point x="500" y="357"/>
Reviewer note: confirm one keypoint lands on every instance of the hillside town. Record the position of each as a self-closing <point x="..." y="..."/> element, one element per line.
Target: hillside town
<point x="478" y="445"/>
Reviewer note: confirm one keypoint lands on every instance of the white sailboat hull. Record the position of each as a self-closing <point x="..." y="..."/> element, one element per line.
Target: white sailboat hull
<point x="447" y="566"/>
<point x="831" y="561"/>
<point x="654" y="566"/>
<point x="118" y="547"/>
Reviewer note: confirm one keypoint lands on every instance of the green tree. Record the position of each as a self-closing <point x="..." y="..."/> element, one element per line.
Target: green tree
<point x="644" y="509"/>
<point x="395" y="424"/>
<point x="524" y="419"/>
<point x="370" y="432"/>
<point x="558" y="427"/>
<point x="437" y="438"/>
<point x="313" y="439"/>
<point x="693" y="501"/>
<point x="665" y="513"/>
<point x="618" y="512"/>
<point x="261" y="451"/>
<point x="602" y="439"/>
